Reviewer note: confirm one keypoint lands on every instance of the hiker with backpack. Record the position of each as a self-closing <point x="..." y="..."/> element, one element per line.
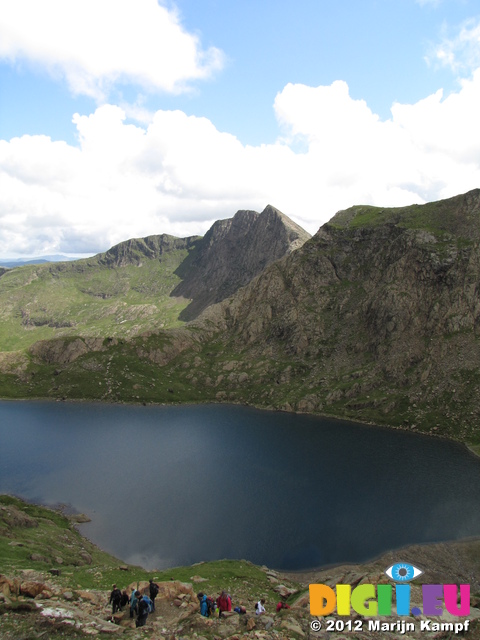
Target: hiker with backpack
<point x="142" y="611"/>
<point x="259" y="607"/>
<point x="115" y="598"/>
<point x="134" y="603"/>
<point x="224" y="603"/>
<point x="154" y="589"/>
<point x="202" y="598"/>
<point x="207" y="605"/>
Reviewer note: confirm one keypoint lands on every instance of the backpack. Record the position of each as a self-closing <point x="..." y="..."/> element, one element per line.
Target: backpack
<point x="153" y="590"/>
<point x="211" y="606"/>
<point x="142" y="607"/>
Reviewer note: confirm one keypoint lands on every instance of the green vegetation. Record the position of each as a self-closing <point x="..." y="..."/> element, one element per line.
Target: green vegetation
<point x="37" y="540"/>
<point x="452" y="216"/>
<point x="88" y="298"/>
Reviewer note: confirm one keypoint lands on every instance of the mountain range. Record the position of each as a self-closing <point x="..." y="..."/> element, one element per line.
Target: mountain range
<point x="374" y="318"/>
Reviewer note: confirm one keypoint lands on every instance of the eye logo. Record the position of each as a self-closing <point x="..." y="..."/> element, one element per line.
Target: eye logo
<point x="403" y="572"/>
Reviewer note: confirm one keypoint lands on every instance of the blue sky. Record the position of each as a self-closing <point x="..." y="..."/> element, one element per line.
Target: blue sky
<point x="122" y="118"/>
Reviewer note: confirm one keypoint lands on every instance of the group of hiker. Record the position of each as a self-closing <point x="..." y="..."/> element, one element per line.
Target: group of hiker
<point x="210" y="607"/>
<point x="140" y="604"/>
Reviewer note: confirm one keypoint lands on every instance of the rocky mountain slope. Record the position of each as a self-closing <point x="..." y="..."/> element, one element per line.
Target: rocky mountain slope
<point x="375" y="318"/>
<point x="233" y="252"/>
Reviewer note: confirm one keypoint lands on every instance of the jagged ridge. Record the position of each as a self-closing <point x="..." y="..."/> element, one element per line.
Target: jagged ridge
<point x="233" y="252"/>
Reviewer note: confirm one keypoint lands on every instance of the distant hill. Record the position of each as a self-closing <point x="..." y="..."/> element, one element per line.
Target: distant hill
<point x="20" y="262"/>
<point x="142" y="284"/>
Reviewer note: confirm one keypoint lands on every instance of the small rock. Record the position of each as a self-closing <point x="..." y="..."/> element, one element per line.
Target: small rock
<point x="36" y="557"/>
<point x="292" y="626"/>
<point x="250" y="624"/>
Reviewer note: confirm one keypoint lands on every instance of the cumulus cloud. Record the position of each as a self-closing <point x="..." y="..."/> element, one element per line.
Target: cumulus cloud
<point x="177" y="173"/>
<point x="95" y="44"/>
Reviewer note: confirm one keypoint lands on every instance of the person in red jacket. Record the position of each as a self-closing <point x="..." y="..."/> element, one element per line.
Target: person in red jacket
<point x="224" y="602"/>
<point x="282" y="605"/>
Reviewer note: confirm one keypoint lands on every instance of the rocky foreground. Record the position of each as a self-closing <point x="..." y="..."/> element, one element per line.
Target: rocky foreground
<point x="34" y="605"/>
<point x="54" y="583"/>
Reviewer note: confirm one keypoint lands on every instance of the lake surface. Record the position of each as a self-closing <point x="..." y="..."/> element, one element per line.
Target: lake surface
<point x="168" y="486"/>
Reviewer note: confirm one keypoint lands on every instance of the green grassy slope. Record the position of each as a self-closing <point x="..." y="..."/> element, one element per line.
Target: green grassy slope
<point x="457" y="216"/>
<point x="87" y="297"/>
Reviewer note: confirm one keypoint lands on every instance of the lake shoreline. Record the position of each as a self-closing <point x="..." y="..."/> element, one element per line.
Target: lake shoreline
<point x="474" y="449"/>
<point x="302" y="575"/>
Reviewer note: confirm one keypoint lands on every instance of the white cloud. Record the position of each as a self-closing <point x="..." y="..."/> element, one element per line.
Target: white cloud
<point x="433" y="3"/>
<point x="179" y="173"/>
<point x="461" y="51"/>
<point x="94" y="44"/>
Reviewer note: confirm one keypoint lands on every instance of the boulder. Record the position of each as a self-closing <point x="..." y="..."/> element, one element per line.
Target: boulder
<point x="87" y="595"/>
<point x="6" y="586"/>
<point x="32" y="589"/>
<point x="284" y="591"/>
<point x="14" y="517"/>
<point x="86" y="557"/>
<point x="292" y="626"/>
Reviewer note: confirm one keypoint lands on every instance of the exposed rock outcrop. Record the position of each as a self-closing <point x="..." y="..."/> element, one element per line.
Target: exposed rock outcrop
<point x="233" y="252"/>
<point x="377" y="316"/>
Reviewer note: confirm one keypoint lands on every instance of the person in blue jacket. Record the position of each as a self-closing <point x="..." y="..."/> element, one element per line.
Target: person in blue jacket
<point x="134" y="602"/>
<point x="203" y="604"/>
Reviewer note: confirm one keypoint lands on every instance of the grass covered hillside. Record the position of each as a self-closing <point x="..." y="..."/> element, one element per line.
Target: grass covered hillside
<point x="119" y="293"/>
<point x="140" y="285"/>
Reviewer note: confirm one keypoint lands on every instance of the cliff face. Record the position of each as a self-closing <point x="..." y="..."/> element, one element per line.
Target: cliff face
<point x="233" y="252"/>
<point x="380" y="318"/>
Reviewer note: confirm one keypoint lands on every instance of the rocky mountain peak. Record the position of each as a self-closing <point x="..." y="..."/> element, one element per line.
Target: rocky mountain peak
<point x="233" y="252"/>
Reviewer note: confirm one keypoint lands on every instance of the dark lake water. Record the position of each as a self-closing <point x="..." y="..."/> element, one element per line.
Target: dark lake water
<point x="168" y="486"/>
